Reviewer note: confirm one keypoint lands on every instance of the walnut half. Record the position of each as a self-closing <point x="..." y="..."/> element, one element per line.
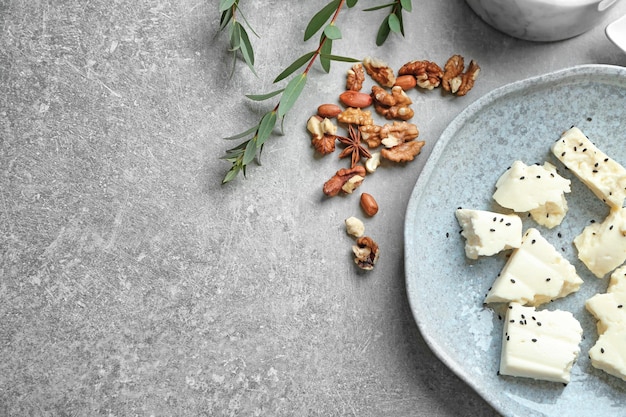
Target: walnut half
<point x="365" y="252"/>
<point x="346" y="180"/>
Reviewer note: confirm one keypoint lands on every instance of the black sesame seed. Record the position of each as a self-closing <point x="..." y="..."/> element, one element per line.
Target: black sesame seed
<point x="563" y="154"/>
<point x="492" y="230"/>
<point x="601" y="350"/>
<point x="495" y="218"/>
<point x="507" y="224"/>
<point x="538" y="323"/>
<point x="447" y="234"/>
<point x="585" y="150"/>
<point x="507" y="338"/>
<point x="512" y="281"/>
<point x="534" y="340"/>
<point x="532" y="242"/>
<point x="620" y="306"/>
<point x="559" y="234"/>
<point x="548" y="279"/>
<point x="611" y="227"/>
<point x="522" y="177"/>
<point x="511" y="321"/>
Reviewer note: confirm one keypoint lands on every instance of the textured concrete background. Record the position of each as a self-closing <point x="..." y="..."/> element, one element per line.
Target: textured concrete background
<point x="134" y="284"/>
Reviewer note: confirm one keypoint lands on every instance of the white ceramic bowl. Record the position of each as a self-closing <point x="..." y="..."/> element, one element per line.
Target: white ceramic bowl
<point x="542" y="20"/>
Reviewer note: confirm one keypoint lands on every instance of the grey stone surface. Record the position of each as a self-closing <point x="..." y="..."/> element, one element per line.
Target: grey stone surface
<point x="134" y="284"/>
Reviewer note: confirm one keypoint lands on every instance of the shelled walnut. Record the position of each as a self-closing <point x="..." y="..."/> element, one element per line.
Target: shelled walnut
<point x="379" y="71"/>
<point x="355" y="78"/>
<point x="323" y="133"/>
<point x="404" y="152"/>
<point x="344" y="176"/>
<point x="456" y="81"/>
<point x="355" y="116"/>
<point x="394" y="105"/>
<point x="365" y="252"/>
<point x="427" y="74"/>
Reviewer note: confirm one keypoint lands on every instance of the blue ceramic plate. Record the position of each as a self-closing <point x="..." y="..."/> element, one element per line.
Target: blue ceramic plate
<point x="446" y="290"/>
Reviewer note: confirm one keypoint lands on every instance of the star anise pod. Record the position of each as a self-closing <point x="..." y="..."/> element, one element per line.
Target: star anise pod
<point x="353" y="146"/>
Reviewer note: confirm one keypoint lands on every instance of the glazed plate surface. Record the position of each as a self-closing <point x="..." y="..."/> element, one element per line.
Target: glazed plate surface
<point x="446" y="290"/>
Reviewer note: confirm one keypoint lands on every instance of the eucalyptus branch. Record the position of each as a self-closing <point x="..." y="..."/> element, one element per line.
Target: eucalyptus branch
<point x="239" y="39"/>
<point x="394" y="21"/>
<point x="244" y="153"/>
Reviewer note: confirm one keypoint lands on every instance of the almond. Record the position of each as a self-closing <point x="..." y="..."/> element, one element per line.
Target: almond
<point x="356" y="99"/>
<point x="369" y="204"/>
<point x="406" y="82"/>
<point x="328" y="111"/>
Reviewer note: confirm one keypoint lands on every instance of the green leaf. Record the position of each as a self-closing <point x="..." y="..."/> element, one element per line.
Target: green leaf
<point x="400" y="20"/>
<point x="351" y="3"/>
<point x="332" y="32"/>
<point x="382" y="6"/>
<point x="250" y="152"/>
<point x="291" y="94"/>
<point x="406" y="5"/>
<point x="243" y="134"/>
<point x="226" y="4"/>
<point x="261" y="97"/>
<point x="294" y="66"/>
<point x="246" y="50"/>
<point x="231" y="174"/>
<point x="227" y="15"/>
<point x="265" y="128"/>
<point x="235" y="36"/>
<point x="320" y="19"/>
<point x="339" y="58"/>
<point x="383" y="32"/>
<point x="394" y="23"/>
<point x="325" y="52"/>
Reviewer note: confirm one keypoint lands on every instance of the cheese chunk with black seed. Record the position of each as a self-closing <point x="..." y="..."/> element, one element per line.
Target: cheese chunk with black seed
<point x="602" y="246"/>
<point x="605" y="177"/>
<point x="536" y="189"/>
<point x="487" y="233"/>
<point x="534" y="274"/>
<point x="609" y="351"/>
<point x="539" y="344"/>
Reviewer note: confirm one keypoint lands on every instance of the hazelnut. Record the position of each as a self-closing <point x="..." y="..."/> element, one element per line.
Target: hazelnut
<point x="369" y="204"/>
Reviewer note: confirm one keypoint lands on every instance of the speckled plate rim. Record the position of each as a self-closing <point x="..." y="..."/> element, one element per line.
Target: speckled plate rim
<point x="411" y="223"/>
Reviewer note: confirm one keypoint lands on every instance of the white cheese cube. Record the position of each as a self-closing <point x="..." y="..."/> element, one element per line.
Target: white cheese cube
<point x="605" y="177"/>
<point x="535" y="273"/>
<point x="539" y="344"/>
<point x="537" y="189"/>
<point x="488" y="233"/>
<point x="609" y="351"/>
<point x="602" y="246"/>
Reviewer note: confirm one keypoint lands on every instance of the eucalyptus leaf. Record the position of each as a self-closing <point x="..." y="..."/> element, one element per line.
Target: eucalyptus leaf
<point x="235" y="36"/>
<point x="265" y="128"/>
<point x="383" y="32"/>
<point x="295" y="65"/>
<point x="394" y="23"/>
<point x="262" y="97"/>
<point x="381" y="6"/>
<point x="319" y="20"/>
<point x="339" y="58"/>
<point x="246" y="49"/>
<point x="325" y="51"/>
<point x="227" y="15"/>
<point x="226" y="4"/>
<point x="231" y="174"/>
<point x="291" y="94"/>
<point x="406" y="5"/>
<point x="400" y="20"/>
<point x="332" y="32"/>
<point x="243" y="134"/>
<point x="250" y="152"/>
<point x="351" y="3"/>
